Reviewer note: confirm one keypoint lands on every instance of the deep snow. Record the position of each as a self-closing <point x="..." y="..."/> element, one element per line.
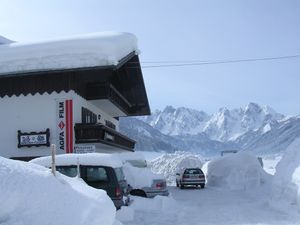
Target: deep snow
<point x="207" y="206"/>
<point x="240" y="171"/>
<point x="286" y="183"/>
<point x="245" y="201"/>
<point x="31" y="195"/>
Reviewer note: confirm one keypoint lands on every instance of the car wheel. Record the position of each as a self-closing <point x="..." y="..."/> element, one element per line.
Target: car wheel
<point x="202" y="185"/>
<point x="139" y="193"/>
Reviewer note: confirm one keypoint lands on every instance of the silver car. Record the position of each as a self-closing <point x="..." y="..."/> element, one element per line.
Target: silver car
<point x="190" y="176"/>
<point x="137" y="172"/>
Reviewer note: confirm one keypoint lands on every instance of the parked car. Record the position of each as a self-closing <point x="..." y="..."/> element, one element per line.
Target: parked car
<point x="101" y="171"/>
<point x="190" y="176"/>
<point x="139" y="176"/>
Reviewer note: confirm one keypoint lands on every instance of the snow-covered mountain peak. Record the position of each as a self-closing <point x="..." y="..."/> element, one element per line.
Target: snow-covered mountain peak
<point x="224" y="125"/>
<point x="169" y="109"/>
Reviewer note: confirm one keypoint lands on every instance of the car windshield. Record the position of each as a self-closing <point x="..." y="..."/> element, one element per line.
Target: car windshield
<point x="70" y="171"/>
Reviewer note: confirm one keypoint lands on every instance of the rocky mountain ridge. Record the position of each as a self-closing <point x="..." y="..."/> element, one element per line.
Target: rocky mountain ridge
<point x="254" y="127"/>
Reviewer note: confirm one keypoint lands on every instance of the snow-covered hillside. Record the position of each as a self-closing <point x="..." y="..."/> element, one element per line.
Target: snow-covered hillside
<point x="4" y="40"/>
<point x="255" y="128"/>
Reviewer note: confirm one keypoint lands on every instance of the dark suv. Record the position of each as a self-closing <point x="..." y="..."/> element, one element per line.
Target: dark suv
<point x="95" y="173"/>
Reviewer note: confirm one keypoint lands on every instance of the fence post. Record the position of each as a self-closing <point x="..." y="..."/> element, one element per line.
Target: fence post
<point x="53" y="153"/>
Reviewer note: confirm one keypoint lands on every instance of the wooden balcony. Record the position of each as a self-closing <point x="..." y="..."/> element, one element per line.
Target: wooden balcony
<point x="99" y="133"/>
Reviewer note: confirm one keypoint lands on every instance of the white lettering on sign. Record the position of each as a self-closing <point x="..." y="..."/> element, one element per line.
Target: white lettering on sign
<point x="38" y="139"/>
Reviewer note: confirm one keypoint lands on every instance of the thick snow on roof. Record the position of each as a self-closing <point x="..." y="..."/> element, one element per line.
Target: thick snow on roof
<point x="125" y="156"/>
<point x="92" y="159"/>
<point x="90" y="50"/>
<point x="30" y="194"/>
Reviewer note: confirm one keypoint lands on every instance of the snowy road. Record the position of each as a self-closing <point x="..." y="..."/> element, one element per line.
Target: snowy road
<point x="207" y="206"/>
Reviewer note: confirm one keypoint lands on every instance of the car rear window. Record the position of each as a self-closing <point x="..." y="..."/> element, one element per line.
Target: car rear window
<point x="193" y="171"/>
<point x="70" y="171"/>
<point x="96" y="174"/>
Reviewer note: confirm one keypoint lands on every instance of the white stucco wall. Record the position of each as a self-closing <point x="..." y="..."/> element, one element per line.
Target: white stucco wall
<point x="35" y="113"/>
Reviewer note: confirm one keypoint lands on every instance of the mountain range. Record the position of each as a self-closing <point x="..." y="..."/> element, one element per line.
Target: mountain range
<point x="252" y="128"/>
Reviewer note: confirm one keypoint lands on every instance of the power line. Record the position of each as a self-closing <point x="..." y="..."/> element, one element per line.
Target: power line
<point x="212" y="62"/>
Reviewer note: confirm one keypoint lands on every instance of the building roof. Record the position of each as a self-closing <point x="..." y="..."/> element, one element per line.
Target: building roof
<point x="84" y="51"/>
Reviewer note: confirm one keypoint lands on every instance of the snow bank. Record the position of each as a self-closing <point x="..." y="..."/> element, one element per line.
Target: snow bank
<point x="240" y="171"/>
<point x="125" y="156"/>
<point x="135" y="169"/>
<point x="125" y="214"/>
<point x="31" y="195"/>
<point x="158" y="203"/>
<point x="139" y="177"/>
<point x="90" y="50"/>
<point x="285" y="193"/>
<point x="170" y="163"/>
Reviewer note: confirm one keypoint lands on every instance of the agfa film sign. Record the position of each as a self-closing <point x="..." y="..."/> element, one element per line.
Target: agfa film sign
<point x="64" y="125"/>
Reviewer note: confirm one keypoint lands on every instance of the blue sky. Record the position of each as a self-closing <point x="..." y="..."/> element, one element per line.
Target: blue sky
<point x="185" y="30"/>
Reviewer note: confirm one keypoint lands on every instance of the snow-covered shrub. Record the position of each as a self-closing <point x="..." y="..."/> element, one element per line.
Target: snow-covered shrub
<point x="285" y="193"/>
<point x="170" y="163"/>
<point x="31" y="195"/>
<point x="240" y="171"/>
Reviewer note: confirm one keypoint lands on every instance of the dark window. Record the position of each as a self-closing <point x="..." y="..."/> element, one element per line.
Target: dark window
<point x="88" y="116"/>
<point x="96" y="174"/>
<point x="110" y="124"/>
<point x="70" y="171"/>
<point x="120" y="174"/>
<point x="193" y="171"/>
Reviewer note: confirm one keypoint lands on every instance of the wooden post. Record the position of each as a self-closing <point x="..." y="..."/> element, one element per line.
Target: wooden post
<point x="53" y="153"/>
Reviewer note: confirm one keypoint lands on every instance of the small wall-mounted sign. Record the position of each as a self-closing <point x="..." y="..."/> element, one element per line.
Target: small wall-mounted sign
<point x="34" y="139"/>
<point x="84" y="148"/>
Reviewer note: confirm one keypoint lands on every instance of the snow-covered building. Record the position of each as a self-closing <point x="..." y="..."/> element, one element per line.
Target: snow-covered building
<point x="70" y="92"/>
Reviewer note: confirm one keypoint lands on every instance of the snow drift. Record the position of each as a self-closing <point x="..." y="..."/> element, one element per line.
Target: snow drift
<point x="170" y="163"/>
<point x="285" y="193"/>
<point x="240" y="171"/>
<point x="33" y="196"/>
<point x="139" y="177"/>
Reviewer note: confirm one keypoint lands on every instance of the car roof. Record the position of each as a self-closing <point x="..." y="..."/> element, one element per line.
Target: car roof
<point x="92" y="159"/>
